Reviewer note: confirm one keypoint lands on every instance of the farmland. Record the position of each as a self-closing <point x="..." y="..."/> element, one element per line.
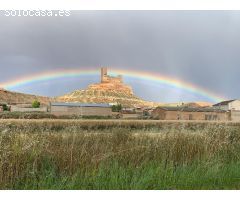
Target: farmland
<point x="119" y="154"/>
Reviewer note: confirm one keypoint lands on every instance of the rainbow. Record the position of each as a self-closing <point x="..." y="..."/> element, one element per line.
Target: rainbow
<point x="160" y="79"/>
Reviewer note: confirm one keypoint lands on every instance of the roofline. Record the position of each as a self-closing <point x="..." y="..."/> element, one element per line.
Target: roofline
<point x="79" y="104"/>
<point x="222" y="103"/>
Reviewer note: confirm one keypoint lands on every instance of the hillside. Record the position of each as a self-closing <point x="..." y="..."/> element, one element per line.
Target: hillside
<point x="109" y="90"/>
<point x="104" y="94"/>
<point x="10" y="97"/>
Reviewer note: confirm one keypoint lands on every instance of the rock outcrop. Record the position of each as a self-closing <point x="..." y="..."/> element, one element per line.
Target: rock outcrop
<point x="109" y="90"/>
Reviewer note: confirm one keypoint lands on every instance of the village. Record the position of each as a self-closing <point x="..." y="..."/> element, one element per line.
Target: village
<point x="223" y="111"/>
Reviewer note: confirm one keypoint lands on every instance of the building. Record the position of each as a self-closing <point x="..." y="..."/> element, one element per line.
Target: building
<point x="81" y="109"/>
<point x="187" y="113"/>
<point x="131" y="113"/>
<point x="228" y="105"/>
<point x="111" y="83"/>
<point x="105" y="78"/>
<point x="1" y="108"/>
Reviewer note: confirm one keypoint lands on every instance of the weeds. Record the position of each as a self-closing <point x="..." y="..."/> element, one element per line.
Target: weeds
<point x="61" y="154"/>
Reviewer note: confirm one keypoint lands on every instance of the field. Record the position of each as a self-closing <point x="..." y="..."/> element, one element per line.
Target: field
<point x="115" y="154"/>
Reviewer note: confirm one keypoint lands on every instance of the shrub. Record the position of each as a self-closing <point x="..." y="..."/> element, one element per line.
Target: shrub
<point x="35" y="104"/>
<point x="117" y="108"/>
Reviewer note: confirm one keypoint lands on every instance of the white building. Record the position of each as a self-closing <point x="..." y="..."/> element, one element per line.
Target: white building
<point x="228" y="105"/>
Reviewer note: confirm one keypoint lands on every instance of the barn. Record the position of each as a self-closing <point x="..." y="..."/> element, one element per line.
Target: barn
<point x="81" y="109"/>
<point x="187" y="113"/>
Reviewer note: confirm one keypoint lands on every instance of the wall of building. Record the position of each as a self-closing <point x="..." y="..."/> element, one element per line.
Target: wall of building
<point x="222" y="107"/>
<point x="181" y="115"/>
<point x="84" y="111"/>
<point x="131" y="116"/>
<point x="234" y="105"/>
<point x="235" y="115"/>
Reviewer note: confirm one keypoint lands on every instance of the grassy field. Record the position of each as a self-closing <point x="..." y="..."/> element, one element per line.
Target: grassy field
<point x="115" y="154"/>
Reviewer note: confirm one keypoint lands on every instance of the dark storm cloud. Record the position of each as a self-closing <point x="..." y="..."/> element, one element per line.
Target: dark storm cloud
<point x="201" y="47"/>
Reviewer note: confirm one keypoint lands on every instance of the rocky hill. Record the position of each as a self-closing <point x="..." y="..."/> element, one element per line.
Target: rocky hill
<point x="113" y="90"/>
<point x="103" y="93"/>
<point x="109" y="90"/>
<point x="16" y="97"/>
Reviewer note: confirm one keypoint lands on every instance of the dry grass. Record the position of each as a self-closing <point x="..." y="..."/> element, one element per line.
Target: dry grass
<point x="120" y="154"/>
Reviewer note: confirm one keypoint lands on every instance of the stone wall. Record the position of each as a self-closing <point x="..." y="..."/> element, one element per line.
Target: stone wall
<point x="22" y="109"/>
<point x="105" y="78"/>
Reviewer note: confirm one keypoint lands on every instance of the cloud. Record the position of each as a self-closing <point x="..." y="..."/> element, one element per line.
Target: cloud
<point x="201" y="47"/>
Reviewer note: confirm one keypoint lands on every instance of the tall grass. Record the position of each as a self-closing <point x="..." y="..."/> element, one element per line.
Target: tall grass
<point x="59" y="154"/>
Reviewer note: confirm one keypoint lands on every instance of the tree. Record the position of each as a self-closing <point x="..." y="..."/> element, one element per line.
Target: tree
<point x="117" y="108"/>
<point x="36" y="104"/>
<point x="5" y="107"/>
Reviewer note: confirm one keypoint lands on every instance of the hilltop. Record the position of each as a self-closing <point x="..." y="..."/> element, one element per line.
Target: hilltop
<point x="109" y="90"/>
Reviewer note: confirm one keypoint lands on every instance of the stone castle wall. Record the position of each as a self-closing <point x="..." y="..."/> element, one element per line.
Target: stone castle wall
<point x="105" y="78"/>
<point x="109" y="83"/>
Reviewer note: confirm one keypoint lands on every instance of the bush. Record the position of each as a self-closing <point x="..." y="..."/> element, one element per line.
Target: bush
<point x="36" y="104"/>
<point x="117" y="108"/>
<point x="5" y="107"/>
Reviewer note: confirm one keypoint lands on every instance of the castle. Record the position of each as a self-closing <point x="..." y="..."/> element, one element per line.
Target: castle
<point x="111" y="83"/>
<point x="105" y="78"/>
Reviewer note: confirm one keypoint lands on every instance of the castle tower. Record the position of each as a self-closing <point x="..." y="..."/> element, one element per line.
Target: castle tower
<point x="103" y="74"/>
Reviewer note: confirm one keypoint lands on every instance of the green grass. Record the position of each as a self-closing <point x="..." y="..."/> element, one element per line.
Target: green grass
<point x="150" y="176"/>
<point x="58" y="154"/>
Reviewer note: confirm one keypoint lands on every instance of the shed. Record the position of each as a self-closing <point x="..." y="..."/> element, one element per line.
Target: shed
<point x="81" y="109"/>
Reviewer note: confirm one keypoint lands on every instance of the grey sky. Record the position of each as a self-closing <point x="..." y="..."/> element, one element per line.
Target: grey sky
<point x="201" y="47"/>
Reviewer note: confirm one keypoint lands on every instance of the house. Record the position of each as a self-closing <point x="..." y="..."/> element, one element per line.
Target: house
<point x="81" y="109"/>
<point x="187" y="113"/>
<point x="228" y="105"/>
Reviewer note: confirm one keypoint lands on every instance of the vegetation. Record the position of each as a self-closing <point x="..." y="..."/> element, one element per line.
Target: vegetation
<point x="26" y="115"/>
<point x="5" y="107"/>
<point x="108" y="154"/>
<point x="36" y="104"/>
<point x="45" y="115"/>
<point x="117" y="108"/>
